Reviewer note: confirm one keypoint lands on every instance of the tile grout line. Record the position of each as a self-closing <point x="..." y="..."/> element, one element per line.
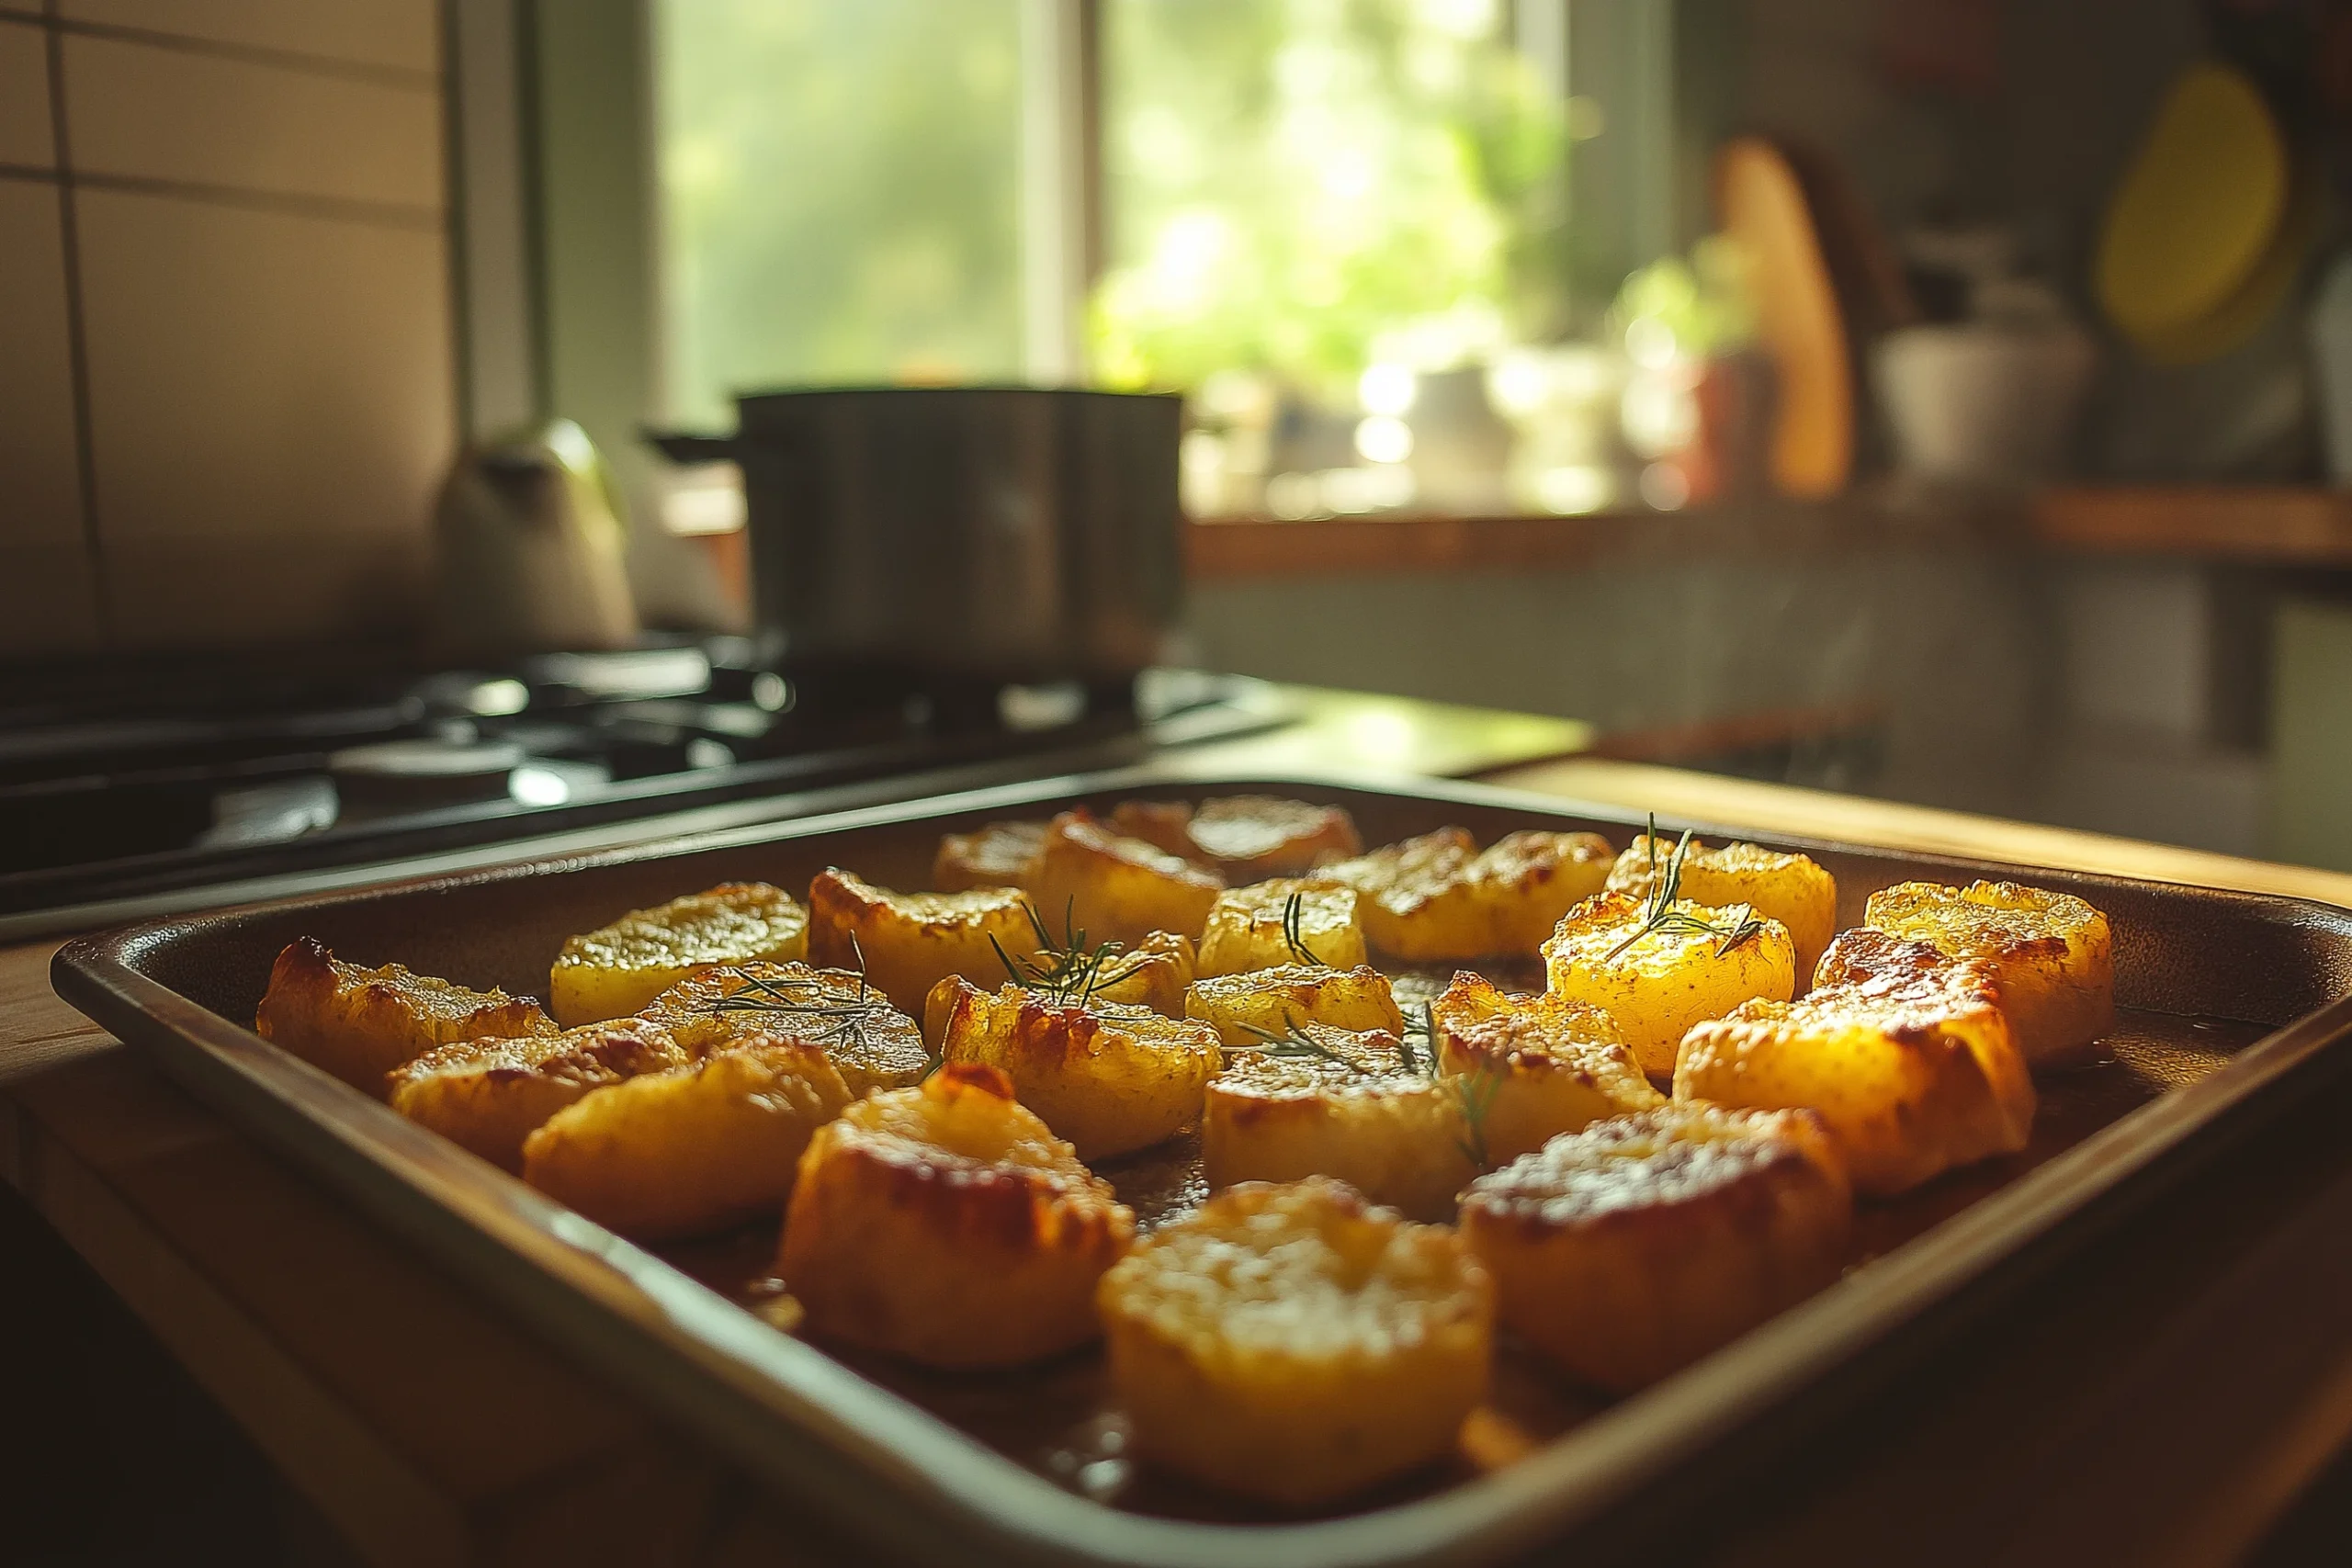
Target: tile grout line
<point x="406" y="77"/>
<point x="326" y="208"/>
<point x="77" y="345"/>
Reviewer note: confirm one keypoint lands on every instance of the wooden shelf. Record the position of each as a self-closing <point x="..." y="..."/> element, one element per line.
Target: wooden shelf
<point x="2290" y="524"/>
<point x="2280" y="525"/>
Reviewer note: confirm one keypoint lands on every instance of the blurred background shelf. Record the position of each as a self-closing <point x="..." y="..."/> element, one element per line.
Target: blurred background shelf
<point x="2281" y="525"/>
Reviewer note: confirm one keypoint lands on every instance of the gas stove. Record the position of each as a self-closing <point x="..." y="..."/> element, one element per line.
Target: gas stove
<point x="132" y="791"/>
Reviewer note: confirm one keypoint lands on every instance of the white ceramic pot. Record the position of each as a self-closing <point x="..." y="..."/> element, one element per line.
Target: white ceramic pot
<point x="1981" y="403"/>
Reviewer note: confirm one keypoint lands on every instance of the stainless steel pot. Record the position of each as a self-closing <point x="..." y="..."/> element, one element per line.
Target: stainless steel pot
<point x="987" y="533"/>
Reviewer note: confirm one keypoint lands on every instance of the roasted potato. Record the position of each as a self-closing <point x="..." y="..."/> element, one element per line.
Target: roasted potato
<point x="693" y="1149"/>
<point x="1155" y="973"/>
<point x="1118" y="889"/>
<point x="1247" y="838"/>
<point x="2051" y="952"/>
<point x="872" y="1043"/>
<point x="1108" y="1077"/>
<point x="907" y="943"/>
<point x="1295" y="1345"/>
<point x="1791" y="889"/>
<point x="1657" y="974"/>
<point x="1323" y="1101"/>
<point x="1438" y="899"/>
<point x="361" y="1023"/>
<point x="488" y="1095"/>
<point x="1630" y="1249"/>
<point x="1245" y="1008"/>
<point x="1287" y="920"/>
<point x="1914" y="1070"/>
<point x="1413" y="906"/>
<point x="1002" y="854"/>
<point x="945" y="1223"/>
<point x="1522" y="883"/>
<point x="618" y="971"/>
<point x="1541" y="1065"/>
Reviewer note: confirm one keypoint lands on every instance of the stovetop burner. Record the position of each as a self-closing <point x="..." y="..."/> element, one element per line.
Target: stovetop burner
<point x="125" y="786"/>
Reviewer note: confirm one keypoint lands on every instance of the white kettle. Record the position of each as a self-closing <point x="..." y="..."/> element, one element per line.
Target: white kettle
<point x="531" y="550"/>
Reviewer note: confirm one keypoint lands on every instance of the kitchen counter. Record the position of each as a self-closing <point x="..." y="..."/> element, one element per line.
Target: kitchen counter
<point x="2168" y="1395"/>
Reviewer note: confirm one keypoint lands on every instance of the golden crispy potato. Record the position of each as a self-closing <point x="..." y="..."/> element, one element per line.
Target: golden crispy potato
<point x="1438" y="899"/>
<point x="1323" y="1101"/>
<point x="1791" y="889"/>
<point x="1414" y="906"/>
<point x="1914" y="1070"/>
<point x="872" y="1043"/>
<point x="1112" y="888"/>
<point x="2051" y="952"/>
<point x="694" y="1149"/>
<point x="617" y="971"/>
<point x="1632" y="1248"/>
<point x="907" y="943"/>
<point x="488" y="1095"/>
<point x="1657" y="978"/>
<point x="1541" y="1065"/>
<point x="1287" y="920"/>
<point x="361" y="1023"/>
<point x="946" y="1224"/>
<point x="1162" y="824"/>
<point x="1248" y="838"/>
<point x="1522" y="883"/>
<point x="1244" y="1007"/>
<point x="1109" y="1077"/>
<point x="1293" y="1344"/>
<point x="1002" y="854"/>
<point x="1155" y="973"/>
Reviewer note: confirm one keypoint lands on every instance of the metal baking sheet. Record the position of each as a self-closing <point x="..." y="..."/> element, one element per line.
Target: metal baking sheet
<point x="2228" y="1000"/>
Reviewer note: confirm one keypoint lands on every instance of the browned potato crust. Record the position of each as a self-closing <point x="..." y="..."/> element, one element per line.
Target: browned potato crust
<point x="1272" y="1001"/>
<point x="1293" y="1344"/>
<point x="694" y="1149"/>
<point x="1399" y="883"/>
<point x="1543" y="1064"/>
<point x="1438" y="899"/>
<point x="487" y="1095"/>
<point x="2052" y="954"/>
<point x="1002" y="854"/>
<point x="1252" y="837"/>
<point x="1630" y="1249"/>
<point x="945" y="1223"/>
<point x="873" y="1043"/>
<point x="1109" y="1077"/>
<point x="1118" y="889"/>
<point x="1791" y="888"/>
<point x="1163" y="824"/>
<point x="907" y="943"/>
<point x="1255" y="927"/>
<point x="1913" y="1071"/>
<point x="1351" y="1107"/>
<point x="1156" y="972"/>
<point x="361" y="1023"/>
<point x="617" y="971"/>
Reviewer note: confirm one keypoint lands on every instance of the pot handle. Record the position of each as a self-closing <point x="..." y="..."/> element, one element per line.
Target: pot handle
<point x="685" y="447"/>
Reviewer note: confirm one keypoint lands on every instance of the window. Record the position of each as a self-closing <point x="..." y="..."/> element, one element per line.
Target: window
<point x="1328" y="220"/>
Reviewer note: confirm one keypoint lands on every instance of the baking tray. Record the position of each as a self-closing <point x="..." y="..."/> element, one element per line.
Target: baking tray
<point x="2231" y="1003"/>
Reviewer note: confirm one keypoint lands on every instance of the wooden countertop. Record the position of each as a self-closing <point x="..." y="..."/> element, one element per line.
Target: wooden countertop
<point x="2161" y="1398"/>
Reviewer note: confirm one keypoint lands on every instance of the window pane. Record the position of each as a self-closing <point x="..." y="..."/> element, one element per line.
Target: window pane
<point x="840" y="193"/>
<point x="1292" y="185"/>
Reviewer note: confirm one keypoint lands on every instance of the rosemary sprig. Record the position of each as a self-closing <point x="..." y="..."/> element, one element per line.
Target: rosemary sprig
<point x="807" y="997"/>
<point x="1069" y="973"/>
<point x="1473" y="1093"/>
<point x="1295" y="931"/>
<point x="1294" y="1041"/>
<point x="1424" y="1024"/>
<point x="1658" y="913"/>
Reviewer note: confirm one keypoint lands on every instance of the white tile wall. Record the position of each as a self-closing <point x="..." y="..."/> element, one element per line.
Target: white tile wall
<point x="370" y="32"/>
<point x="264" y="387"/>
<point x="46" y="582"/>
<point x="156" y="112"/>
<point x="25" y="131"/>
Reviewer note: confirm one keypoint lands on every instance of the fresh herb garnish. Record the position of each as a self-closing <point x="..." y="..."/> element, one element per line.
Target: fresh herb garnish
<point x="1293" y="929"/>
<point x="1474" y="1095"/>
<point x="840" y="1021"/>
<point x="1067" y="973"/>
<point x="1294" y="1041"/>
<point x="1424" y="1024"/>
<point x="1658" y="913"/>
